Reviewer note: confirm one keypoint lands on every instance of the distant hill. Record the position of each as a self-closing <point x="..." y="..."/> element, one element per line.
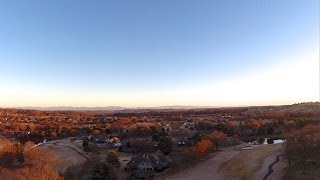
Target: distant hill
<point x="299" y="107"/>
<point x="110" y="108"/>
<point x="71" y="108"/>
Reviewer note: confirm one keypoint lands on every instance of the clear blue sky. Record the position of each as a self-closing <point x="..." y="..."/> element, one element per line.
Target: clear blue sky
<point x="142" y="50"/>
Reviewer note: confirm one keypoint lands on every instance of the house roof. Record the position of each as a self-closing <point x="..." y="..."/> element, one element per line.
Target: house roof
<point x="155" y="162"/>
<point x="135" y="161"/>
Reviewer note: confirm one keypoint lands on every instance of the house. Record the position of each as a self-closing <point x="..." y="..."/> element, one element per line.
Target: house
<point x="100" y="139"/>
<point x="188" y="125"/>
<point x="167" y="127"/>
<point x="114" y="141"/>
<point x="185" y="142"/>
<point x="102" y="145"/>
<point x="182" y="142"/>
<point x="144" y="166"/>
<point x="101" y="142"/>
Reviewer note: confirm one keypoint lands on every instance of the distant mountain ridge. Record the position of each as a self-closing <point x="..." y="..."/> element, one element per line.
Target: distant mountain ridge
<point x="173" y="107"/>
<point x="109" y="108"/>
<point x="72" y="108"/>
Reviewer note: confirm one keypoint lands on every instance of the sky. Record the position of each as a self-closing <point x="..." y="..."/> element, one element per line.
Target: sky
<point x="157" y="53"/>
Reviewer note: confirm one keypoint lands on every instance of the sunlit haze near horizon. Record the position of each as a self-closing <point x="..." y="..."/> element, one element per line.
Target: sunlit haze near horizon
<point x="158" y="53"/>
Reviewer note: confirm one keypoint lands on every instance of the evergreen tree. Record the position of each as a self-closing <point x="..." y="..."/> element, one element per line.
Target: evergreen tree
<point x="103" y="171"/>
<point x="165" y="145"/>
<point x="113" y="159"/>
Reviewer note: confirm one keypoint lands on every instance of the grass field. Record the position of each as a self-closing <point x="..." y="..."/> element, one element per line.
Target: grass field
<point x="66" y="156"/>
<point x="248" y="161"/>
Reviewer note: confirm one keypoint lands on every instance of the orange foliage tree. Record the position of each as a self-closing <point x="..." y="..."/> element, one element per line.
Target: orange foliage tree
<point x="36" y="164"/>
<point x="202" y="146"/>
<point x="8" y="152"/>
<point x="231" y="124"/>
<point x="217" y="136"/>
<point x="255" y="124"/>
<point x="235" y="139"/>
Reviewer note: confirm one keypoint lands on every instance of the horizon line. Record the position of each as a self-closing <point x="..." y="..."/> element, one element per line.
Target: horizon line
<point x="143" y="107"/>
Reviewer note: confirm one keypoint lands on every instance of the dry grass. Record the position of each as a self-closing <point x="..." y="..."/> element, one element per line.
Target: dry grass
<point x="66" y="156"/>
<point x="248" y="161"/>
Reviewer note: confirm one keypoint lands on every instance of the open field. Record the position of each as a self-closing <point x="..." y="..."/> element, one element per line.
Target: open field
<point x="251" y="163"/>
<point x="235" y="164"/>
<point x="206" y="169"/>
<point x="68" y="153"/>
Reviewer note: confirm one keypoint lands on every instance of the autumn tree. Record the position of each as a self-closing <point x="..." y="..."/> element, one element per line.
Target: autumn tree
<point x="96" y="132"/>
<point x="53" y="135"/>
<point x="217" y="136"/>
<point x="32" y="127"/>
<point x="254" y="124"/>
<point x="8" y="152"/>
<point x="31" y="173"/>
<point x="203" y="146"/>
<point x="235" y="139"/>
<point x="23" y="126"/>
<point x="35" y="163"/>
<point x="231" y="125"/>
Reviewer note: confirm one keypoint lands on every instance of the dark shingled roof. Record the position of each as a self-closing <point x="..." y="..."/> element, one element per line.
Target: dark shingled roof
<point x="156" y="163"/>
